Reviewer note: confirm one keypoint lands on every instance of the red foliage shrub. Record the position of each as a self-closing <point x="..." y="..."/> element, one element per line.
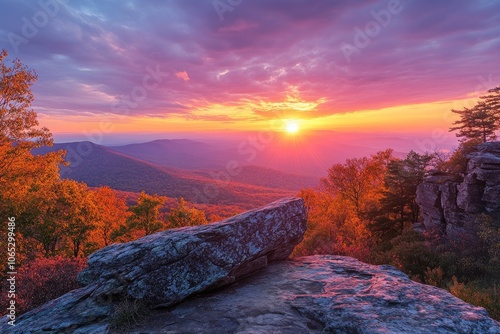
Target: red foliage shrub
<point x="42" y="280"/>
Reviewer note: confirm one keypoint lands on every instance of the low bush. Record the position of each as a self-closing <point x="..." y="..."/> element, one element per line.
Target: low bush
<point x="42" y="280"/>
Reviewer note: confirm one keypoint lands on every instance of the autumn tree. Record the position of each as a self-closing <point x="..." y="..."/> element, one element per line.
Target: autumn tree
<point x="60" y="217"/>
<point x="332" y="227"/>
<point x="112" y="213"/>
<point x="481" y="121"/>
<point x="76" y="211"/>
<point x="22" y="174"/>
<point x="146" y="214"/>
<point x="19" y="127"/>
<point x="456" y="163"/>
<point x="183" y="215"/>
<point x="337" y="213"/>
<point x="358" y="180"/>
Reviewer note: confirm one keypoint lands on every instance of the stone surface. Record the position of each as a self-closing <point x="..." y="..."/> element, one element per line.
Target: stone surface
<point x="164" y="268"/>
<point x="323" y="294"/>
<point x="451" y="206"/>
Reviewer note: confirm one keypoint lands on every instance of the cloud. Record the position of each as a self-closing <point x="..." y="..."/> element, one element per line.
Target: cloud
<point x="182" y="75"/>
<point x="92" y="53"/>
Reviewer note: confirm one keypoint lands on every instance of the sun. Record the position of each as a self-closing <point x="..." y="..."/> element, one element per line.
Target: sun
<point x="292" y="126"/>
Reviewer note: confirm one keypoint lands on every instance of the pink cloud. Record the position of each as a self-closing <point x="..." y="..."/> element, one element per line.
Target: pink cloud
<point x="182" y="75"/>
<point x="431" y="51"/>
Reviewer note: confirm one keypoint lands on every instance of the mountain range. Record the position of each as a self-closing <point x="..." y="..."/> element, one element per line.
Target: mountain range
<point x="167" y="168"/>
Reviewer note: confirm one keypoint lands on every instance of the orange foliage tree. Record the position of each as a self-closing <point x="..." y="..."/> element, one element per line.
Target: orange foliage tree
<point x="359" y="181"/>
<point x="22" y="174"/>
<point x="112" y="214"/>
<point x="337" y="212"/>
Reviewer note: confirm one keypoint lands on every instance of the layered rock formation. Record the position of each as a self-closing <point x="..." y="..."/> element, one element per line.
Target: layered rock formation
<point x="451" y="205"/>
<point x="164" y="268"/>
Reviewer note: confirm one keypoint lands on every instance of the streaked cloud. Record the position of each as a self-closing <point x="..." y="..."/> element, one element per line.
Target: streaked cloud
<point x="267" y="57"/>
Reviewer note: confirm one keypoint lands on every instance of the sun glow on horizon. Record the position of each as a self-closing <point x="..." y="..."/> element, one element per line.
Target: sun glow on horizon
<point x="292" y="126"/>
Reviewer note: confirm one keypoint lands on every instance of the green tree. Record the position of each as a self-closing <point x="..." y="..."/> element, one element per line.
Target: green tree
<point x="398" y="203"/>
<point x="489" y="232"/>
<point x="492" y="101"/>
<point x="145" y="215"/>
<point x="481" y="121"/>
<point x="183" y="215"/>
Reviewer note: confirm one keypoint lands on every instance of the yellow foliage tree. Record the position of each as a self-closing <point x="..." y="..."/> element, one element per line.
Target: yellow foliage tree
<point x="183" y="215"/>
<point x="145" y="215"/>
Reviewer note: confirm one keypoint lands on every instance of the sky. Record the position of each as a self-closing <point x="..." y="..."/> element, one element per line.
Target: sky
<point x="175" y="67"/>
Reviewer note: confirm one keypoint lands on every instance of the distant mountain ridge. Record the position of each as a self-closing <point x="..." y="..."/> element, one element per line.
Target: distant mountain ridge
<point x="98" y="165"/>
<point x="306" y="153"/>
<point x="176" y="153"/>
<point x="267" y="177"/>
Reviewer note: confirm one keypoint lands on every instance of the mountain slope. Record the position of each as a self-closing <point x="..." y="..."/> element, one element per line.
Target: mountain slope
<point x="176" y="153"/>
<point x="98" y="165"/>
<point x="267" y="177"/>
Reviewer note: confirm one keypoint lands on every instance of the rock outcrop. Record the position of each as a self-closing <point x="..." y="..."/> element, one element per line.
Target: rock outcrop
<point x="164" y="268"/>
<point x="451" y="206"/>
<point x="317" y="294"/>
<point x="323" y="294"/>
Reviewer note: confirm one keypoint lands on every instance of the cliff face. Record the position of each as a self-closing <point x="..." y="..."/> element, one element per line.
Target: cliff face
<point x="451" y="206"/>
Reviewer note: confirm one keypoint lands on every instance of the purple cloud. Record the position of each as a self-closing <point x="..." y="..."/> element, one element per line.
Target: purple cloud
<point x="91" y="54"/>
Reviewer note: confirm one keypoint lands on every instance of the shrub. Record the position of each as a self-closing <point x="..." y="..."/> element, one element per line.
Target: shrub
<point x="476" y="293"/>
<point x="42" y="280"/>
<point x="127" y="313"/>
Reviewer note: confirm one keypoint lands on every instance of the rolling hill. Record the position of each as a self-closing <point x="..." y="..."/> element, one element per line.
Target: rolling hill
<point x="98" y="165"/>
<point x="177" y="153"/>
<point x="270" y="178"/>
<point x="305" y="155"/>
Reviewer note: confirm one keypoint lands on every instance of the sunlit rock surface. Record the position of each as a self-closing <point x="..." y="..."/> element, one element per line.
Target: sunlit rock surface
<point x="323" y="294"/>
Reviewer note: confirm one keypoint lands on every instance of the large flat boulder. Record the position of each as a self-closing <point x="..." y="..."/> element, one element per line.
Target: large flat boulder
<point x="323" y="294"/>
<point x="164" y="268"/>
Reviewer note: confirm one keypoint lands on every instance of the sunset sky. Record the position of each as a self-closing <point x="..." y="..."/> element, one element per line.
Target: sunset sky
<point x="195" y="66"/>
